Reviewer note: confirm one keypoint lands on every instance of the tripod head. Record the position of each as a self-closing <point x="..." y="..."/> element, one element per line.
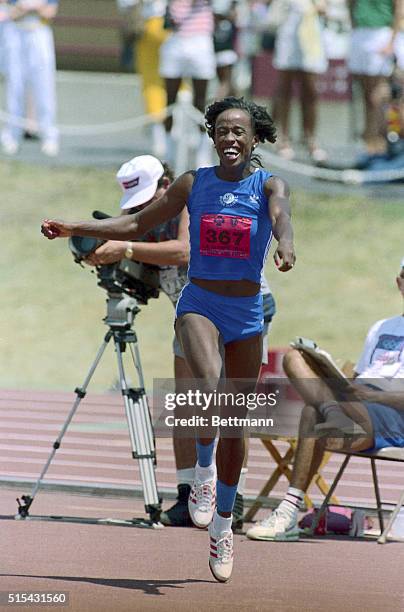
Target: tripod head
<point x="121" y="310"/>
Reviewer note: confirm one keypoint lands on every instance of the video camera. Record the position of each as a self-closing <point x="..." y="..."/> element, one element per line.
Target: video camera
<point x="136" y="279"/>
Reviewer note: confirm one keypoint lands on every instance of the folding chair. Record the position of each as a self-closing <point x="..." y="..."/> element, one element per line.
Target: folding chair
<point x="385" y="454"/>
<point x="283" y="468"/>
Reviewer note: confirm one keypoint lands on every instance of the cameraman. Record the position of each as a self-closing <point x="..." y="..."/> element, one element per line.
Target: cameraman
<point x="143" y="180"/>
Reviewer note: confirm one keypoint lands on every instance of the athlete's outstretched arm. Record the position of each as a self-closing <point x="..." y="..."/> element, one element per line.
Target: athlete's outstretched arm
<point x="127" y="227"/>
<point x="278" y="193"/>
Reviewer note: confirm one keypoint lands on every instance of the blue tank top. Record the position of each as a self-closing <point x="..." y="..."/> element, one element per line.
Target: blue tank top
<point x="230" y="228"/>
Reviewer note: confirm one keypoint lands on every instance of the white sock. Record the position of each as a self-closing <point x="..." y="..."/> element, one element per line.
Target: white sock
<point x="203" y="474"/>
<point x="221" y="524"/>
<point x="186" y="476"/>
<point x="242" y="481"/>
<point x="292" y="502"/>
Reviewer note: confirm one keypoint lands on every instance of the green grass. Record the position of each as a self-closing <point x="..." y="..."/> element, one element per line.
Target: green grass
<point x="51" y="326"/>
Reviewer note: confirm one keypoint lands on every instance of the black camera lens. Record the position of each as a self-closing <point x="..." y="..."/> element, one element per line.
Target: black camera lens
<point x="82" y="246"/>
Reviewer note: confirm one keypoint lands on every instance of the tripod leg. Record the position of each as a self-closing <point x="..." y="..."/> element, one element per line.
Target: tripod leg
<point x="80" y="393"/>
<point x="141" y="436"/>
<point x="145" y="412"/>
<point x="134" y="350"/>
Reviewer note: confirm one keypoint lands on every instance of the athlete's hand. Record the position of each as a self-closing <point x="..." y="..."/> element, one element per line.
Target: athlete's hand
<point x="284" y="255"/>
<point x="51" y="229"/>
<point x="110" y="252"/>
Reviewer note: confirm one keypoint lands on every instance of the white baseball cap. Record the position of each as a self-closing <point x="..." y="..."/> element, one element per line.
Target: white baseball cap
<point x="138" y="179"/>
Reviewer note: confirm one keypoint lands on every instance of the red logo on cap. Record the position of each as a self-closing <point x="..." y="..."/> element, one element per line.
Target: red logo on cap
<point x="132" y="183"/>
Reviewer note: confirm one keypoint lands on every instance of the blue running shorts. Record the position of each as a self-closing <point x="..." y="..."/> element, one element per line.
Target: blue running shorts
<point x="388" y="425"/>
<point x="236" y="318"/>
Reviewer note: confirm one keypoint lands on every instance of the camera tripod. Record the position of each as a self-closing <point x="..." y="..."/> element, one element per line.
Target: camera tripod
<point x="121" y="312"/>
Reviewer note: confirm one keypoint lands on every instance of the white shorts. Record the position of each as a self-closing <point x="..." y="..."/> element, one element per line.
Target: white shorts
<point x="364" y="53"/>
<point x="299" y="48"/>
<point x="226" y="58"/>
<point x="187" y="57"/>
<point x="399" y="50"/>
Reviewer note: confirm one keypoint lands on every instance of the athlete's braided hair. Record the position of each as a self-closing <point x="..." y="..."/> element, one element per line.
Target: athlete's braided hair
<point x="261" y="121"/>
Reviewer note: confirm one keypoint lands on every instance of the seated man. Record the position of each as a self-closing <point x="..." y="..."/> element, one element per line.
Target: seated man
<point x="371" y="413"/>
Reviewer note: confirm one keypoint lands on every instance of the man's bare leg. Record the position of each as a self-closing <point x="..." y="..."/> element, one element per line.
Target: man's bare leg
<point x="282" y="524"/>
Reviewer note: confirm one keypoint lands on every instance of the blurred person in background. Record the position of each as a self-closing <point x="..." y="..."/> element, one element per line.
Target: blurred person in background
<point x="10" y="69"/>
<point x="31" y="63"/>
<point x="399" y="57"/>
<point x="142" y="34"/>
<point x="224" y="39"/>
<point x="391" y="130"/>
<point x="399" y="39"/>
<point x="299" y="57"/>
<point x="374" y="26"/>
<point x="253" y="36"/>
<point x="128" y="31"/>
<point x="188" y="53"/>
<point x="148" y="53"/>
<point x="337" y="29"/>
<point x="3" y="24"/>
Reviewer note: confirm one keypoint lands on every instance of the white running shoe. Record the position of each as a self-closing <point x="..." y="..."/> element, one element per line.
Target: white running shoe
<point x="202" y="502"/>
<point x="221" y="554"/>
<point x="278" y="527"/>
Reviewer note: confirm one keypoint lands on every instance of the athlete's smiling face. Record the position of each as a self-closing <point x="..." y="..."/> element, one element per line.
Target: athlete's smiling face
<point x="234" y="137"/>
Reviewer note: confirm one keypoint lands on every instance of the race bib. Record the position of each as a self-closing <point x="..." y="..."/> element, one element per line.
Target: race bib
<point x="225" y="236"/>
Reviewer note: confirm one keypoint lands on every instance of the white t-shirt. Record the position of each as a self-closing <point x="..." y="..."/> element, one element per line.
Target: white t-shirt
<point x="383" y="353"/>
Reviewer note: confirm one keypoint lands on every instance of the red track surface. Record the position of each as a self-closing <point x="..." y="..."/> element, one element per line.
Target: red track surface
<point x="109" y="568"/>
<point x="114" y="568"/>
<point x="96" y="449"/>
